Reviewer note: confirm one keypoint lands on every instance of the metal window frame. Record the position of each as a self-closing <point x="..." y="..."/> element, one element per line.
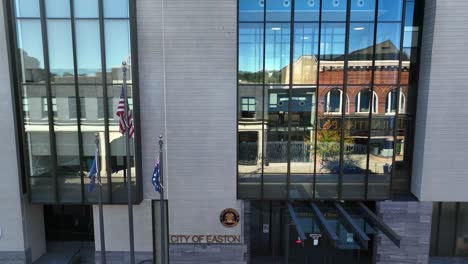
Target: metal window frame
<point x="53" y="143"/>
<point x="16" y="95"/>
<point x="264" y="131"/>
<point x="138" y="194"/>
<point x="104" y="92"/>
<point x="419" y="9"/>
<point x="77" y="97"/>
<point x="372" y="82"/>
<point x="398" y="89"/>
<point x="291" y="64"/>
<point x="317" y="91"/>
<point x="344" y="99"/>
<point x="17" y="85"/>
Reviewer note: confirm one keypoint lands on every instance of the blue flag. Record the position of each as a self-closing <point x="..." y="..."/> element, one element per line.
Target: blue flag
<point x="92" y="176"/>
<point x="156" y="179"/>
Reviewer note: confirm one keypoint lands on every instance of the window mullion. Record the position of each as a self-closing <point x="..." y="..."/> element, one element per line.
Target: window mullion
<point x="105" y="103"/>
<point x="50" y="109"/>
<point x="78" y="101"/>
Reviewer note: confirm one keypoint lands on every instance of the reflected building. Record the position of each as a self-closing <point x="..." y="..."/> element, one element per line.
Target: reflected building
<point x="324" y="114"/>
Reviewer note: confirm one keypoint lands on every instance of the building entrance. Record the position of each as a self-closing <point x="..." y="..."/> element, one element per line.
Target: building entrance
<point x="274" y="238"/>
<point x="69" y="223"/>
<point x="69" y="234"/>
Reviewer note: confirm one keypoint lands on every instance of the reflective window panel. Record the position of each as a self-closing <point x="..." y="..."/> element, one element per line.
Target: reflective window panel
<point x="27" y="8"/>
<point x="278" y="10"/>
<point x="116" y="9"/>
<point x="353" y="54"/>
<point x="58" y="160"/>
<point x="86" y="8"/>
<point x="88" y="51"/>
<point x="387" y="53"/>
<point x="361" y="53"/>
<point x="302" y="142"/>
<point x="67" y="147"/>
<point x="31" y="53"/>
<point x="117" y="38"/>
<point x="57" y="8"/>
<point x="305" y="58"/>
<point x="334" y="10"/>
<point x="307" y="10"/>
<point x="277" y="53"/>
<point x="251" y="10"/>
<point x="37" y="138"/>
<point x="275" y="167"/>
<point x="327" y="162"/>
<point x="250" y="53"/>
<point x="118" y="162"/>
<point x="390" y="10"/>
<point x="60" y="51"/>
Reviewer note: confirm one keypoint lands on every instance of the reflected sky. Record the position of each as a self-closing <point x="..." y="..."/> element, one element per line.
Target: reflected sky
<point x="60" y="39"/>
<point x="88" y="45"/>
<point x="60" y="46"/>
<point x="332" y="46"/>
<point x="86" y="9"/>
<point x="57" y="8"/>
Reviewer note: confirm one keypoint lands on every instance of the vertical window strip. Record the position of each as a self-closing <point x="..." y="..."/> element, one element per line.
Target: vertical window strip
<point x="104" y="87"/>
<point x="397" y="112"/>
<point x="53" y="143"/>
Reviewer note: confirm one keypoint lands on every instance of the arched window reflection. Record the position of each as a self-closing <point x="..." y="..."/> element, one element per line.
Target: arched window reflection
<point x="333" y="101"/>
<point x="390" y="105"/>
<point x="363" y="101"/>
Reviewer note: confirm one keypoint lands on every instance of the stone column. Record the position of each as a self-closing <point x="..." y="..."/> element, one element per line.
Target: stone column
<point x="410" y="220"/>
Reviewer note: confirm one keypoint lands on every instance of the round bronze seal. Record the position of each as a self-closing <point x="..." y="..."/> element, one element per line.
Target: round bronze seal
<point x="229" y="217"/>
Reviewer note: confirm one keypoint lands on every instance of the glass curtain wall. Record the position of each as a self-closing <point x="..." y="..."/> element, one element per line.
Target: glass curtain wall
<point x="69" y="55"/>
<point x="332" y="91"/>
<point x="449" y="235"/>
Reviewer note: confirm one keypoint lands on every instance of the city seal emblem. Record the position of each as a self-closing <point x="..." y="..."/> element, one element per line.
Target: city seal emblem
<point x="229" y="217"/>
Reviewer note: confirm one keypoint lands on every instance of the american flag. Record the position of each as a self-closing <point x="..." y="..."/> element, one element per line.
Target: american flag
<point x="156" y="179"/>
<point x="121" y="113"/>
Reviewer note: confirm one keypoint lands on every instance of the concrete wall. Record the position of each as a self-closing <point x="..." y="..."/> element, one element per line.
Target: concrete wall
<point x="17" y="245"/>
<point x="116" y="227"/>
<point x="439" y="170"/>
<point x="187" y="72"/>
<point x="410" y="220"/>
<point x="198" y="115"/>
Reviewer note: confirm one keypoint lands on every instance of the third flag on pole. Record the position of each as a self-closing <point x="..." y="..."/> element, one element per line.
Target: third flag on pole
<point x="156" y="179"/>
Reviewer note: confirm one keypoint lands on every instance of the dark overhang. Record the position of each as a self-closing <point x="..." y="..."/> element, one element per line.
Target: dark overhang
<point x="349" y="223"/>
<point x="380" y="224"/>
<point x="299" y="229"/>
<point x="345" y="225"/>
<point x="323" y="223"/>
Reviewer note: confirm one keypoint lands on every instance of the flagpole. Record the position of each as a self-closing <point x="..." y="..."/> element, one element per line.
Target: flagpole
<point x="129" y="174"/>
<point x="101" y="217"/>
<point x="161" y="202"/>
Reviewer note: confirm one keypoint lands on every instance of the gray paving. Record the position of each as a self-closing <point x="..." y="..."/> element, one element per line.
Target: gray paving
<point x="68" y="253"/>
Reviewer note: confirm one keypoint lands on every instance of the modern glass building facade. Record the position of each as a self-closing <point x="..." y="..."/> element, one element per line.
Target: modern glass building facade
<point x="449" y="234"/>
<point x="295" y="131"/>
<point x="68" y="57"/>
<point x="326" y="98"/>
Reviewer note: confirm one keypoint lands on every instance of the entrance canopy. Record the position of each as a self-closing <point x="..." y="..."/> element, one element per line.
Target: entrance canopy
<point x="345" y="225"/>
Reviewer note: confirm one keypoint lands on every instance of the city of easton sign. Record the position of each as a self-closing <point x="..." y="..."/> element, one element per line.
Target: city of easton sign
<point x="204" y="239"/>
